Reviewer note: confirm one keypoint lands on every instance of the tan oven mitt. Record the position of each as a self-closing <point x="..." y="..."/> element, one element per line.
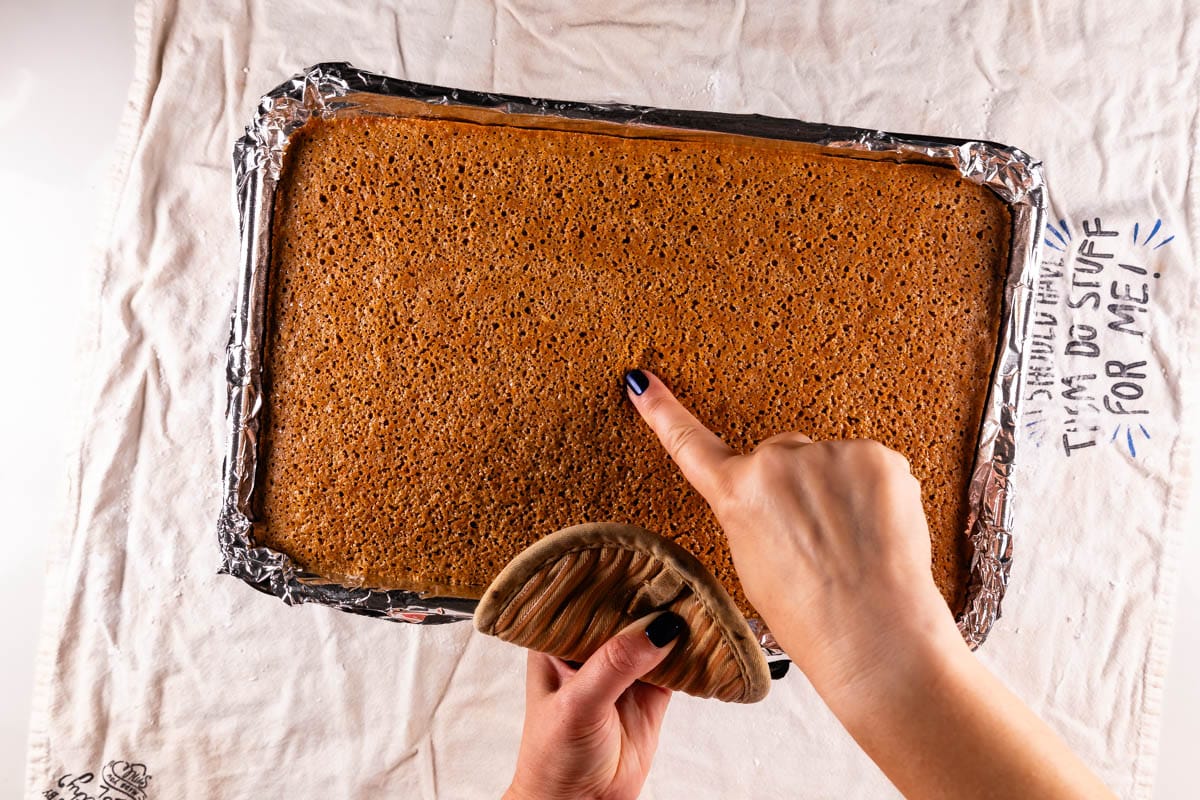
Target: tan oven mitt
<point x="572" y="591"/>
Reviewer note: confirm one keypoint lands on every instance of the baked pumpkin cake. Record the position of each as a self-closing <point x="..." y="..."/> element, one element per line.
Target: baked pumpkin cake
<point x="452" y="307"/>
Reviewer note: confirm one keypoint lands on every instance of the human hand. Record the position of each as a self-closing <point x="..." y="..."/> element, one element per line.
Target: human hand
<point x="592" y="732"/>
<point x="831" y="545"/>
<point x="829" y="539"/>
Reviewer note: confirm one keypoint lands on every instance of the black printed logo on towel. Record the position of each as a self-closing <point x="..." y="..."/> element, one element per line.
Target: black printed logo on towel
<point x="1094" y="376"/>
<point x="119" y="780"/>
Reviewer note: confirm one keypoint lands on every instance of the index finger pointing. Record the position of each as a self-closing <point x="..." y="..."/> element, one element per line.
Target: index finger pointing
<point x="699" y="452"/>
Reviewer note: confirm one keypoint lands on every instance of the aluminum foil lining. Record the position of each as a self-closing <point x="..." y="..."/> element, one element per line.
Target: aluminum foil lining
<point x="331" y="90"/>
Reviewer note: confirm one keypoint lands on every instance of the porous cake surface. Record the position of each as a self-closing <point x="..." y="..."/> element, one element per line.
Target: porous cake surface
<point x="452" y="306"/>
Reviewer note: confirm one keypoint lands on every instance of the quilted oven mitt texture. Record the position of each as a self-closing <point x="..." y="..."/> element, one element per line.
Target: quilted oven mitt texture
<point x="572" y="591"/>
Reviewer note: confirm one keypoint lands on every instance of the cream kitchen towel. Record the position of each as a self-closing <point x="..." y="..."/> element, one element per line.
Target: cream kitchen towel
<point x="158" y="678"/>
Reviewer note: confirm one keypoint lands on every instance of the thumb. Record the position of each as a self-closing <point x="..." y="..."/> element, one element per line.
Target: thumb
<point x="621" y="660"/>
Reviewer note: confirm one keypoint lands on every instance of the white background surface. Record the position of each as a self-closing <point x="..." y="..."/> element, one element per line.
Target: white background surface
<point x="64" y="71"/>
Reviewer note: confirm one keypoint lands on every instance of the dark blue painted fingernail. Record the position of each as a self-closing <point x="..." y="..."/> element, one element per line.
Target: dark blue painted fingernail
<point x="665" y="627"/>
<point x="779" y="669"/>
<point x="637" y="381"/>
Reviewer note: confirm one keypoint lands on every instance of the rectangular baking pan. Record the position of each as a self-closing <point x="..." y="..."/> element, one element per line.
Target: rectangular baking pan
<point x="333" y="90"/>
